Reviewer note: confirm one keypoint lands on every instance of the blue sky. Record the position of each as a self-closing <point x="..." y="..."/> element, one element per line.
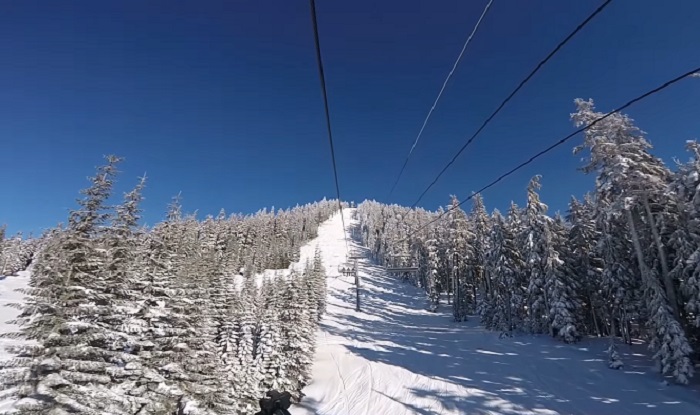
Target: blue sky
<point x="220" y="100"/>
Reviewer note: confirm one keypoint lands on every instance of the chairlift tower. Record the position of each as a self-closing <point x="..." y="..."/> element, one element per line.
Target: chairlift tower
<point x="402" y="270"/>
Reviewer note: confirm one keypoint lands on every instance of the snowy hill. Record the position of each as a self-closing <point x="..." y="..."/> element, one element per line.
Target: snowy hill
<point x="396" y="358"/>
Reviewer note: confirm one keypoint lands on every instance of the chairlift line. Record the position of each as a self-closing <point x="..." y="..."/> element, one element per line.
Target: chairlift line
<point x="324" y="91"/>
<point x="552" y="147"/>
<point x="444" y="85"/>
<point x="509" y="97"/>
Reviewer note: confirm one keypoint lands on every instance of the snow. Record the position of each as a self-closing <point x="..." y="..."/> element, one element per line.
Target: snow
<point x="394" y="357"/>
<point x="8" y="295"/>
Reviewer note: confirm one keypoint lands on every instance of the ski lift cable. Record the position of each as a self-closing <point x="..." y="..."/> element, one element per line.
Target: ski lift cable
<point x="553" y="146"/>
<point x="512" y="94"/>
<point x="444" y="85"/>
<point x="322" y="77"/>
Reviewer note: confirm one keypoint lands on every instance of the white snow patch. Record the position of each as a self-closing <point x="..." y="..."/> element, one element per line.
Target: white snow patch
<point x="8" y="295"/>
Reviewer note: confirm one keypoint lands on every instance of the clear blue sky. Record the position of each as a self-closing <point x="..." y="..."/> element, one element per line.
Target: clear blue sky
<point x="220" y="100"/>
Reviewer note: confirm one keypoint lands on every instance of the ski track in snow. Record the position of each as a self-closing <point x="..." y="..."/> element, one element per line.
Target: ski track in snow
<point x="394" y="357"/>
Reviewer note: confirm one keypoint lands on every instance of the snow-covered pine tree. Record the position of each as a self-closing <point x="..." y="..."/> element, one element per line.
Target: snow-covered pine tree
<point x="314" y="280"/>
<point x="296" y="327"/>
<point x="563" y="288"/>
<point x="537" y="243"/>
<point x="518" y="266"/>
<point x="22" y="376"/>
<point x="269" y="354"/>
<point x="506" y="265"/>
<point x="247" y="378"/>
<point x="633" y="185"/>
<point x="15" y="253"/>
<point x="319" y="274"/>
<point x="433" y="270"/>
<point x="179" y="352"/>
<point x="459" y="256"/>
<point x="123" y="260"/>
<point x="444" y="274"/>
<point x="668" y="340"/>
<point x="71" y="367"/>
<point x="685" y="240"/>
<point x="585" y="265"/>
<point x="494" y="307"/>
<point x="160" y="314"/>
<point x="202" y="377"/>
<point x="480" y="224"/>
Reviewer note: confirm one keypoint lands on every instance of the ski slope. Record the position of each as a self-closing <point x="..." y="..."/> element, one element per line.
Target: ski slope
<point x="396" y="358"/>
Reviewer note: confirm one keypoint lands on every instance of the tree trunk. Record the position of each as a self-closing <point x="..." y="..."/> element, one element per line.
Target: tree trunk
<point x="637" y="245"/>
<point x="665" y="273"/>
<point x="612" y="327"/>
<point x="595" y="321"/>
<point x="510" y="313"/>
<point x="456" y="303"/>
<point x="450" y="279"/>
<point x="485" y="275"/>
<point x="589" y="297"/>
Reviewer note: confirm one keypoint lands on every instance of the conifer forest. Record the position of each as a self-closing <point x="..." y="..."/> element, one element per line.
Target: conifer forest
<point x="190" y="316"/>
<point x="123" y="319"/>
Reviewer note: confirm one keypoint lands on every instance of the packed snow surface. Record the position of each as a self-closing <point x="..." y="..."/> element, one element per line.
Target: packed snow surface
<point x="394" y="357"/>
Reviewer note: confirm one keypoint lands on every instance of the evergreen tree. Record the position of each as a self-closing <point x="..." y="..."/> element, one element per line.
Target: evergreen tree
<point x="563" y="289"/>
<point x="540" y="259"/>
<point x="481" y="229"/>
<point x="433" y="270"/>
<point x="270" y="349"/>
<point x="632" y="186"/>
<point x="73" y="367"/>
<point x="295" y="328"/>
<point x="585" y="265"/>
<point x="460" y="256"/>
<point x="504" y="309"/>
<point x="685" y="239"/>
<point x="319" y="274"/>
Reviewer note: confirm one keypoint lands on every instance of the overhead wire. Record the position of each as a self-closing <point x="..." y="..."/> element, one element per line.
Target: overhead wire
<point x="322" y="77"/>
<point x="512" y="94"/>
<point x="444" y="85"/>
<point x="552" y="147"/>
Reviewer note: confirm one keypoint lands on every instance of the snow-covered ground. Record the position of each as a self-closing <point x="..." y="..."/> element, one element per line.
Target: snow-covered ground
<point x="396" y="358"/>
<point x="8" y="295"/>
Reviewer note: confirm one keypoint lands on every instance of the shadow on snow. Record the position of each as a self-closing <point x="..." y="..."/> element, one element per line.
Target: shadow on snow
<point x="485" y="374"/>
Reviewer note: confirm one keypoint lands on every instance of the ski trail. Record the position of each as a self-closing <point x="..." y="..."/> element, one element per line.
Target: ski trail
<point x="394" y="357"/>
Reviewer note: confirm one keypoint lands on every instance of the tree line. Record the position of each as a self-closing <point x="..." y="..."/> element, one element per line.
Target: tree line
<point x="122" y="319"/>
<point x="624" y="262"/>
<point x="16" y="253"/>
